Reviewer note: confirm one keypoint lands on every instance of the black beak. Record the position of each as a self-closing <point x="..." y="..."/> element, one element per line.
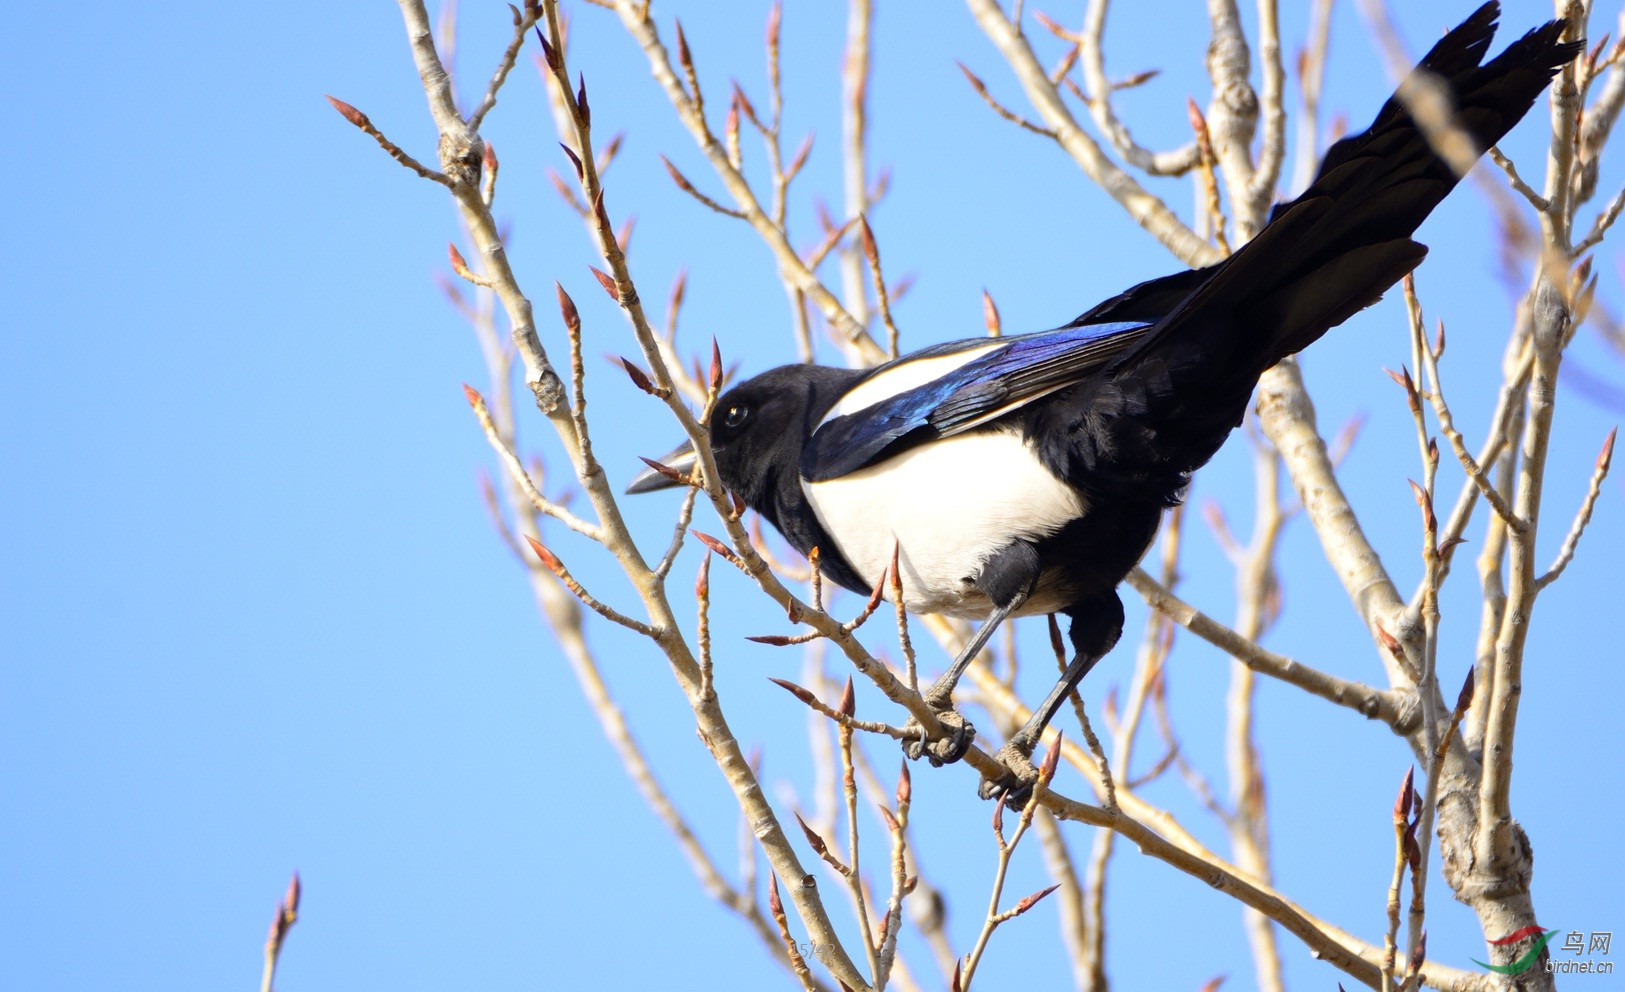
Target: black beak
<point x="648" y="480"/>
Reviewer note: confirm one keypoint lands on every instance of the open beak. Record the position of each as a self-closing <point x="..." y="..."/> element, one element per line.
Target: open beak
<point x="648" y="480"/>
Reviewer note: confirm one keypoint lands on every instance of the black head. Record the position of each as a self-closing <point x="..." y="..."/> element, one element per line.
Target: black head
<point x="759" y="428"/>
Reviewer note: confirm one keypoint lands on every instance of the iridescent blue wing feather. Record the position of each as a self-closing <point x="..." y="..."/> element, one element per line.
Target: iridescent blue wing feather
<point x="984" y="388"/>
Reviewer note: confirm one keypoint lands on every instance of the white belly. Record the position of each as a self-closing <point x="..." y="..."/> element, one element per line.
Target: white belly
<point x="947" y="506"/>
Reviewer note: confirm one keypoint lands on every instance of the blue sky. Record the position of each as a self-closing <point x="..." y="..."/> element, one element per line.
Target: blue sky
<point x="253" y="618"/>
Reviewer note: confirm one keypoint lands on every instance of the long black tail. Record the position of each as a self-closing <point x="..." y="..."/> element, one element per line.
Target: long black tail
<point x="1336" y="248"/>
<point x="1168" y="404"/>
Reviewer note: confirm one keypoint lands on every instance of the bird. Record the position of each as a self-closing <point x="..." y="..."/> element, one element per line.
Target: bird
<point x="1028" y="474"/>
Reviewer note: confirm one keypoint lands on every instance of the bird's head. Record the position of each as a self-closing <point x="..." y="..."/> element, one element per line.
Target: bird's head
<point x="758" y="429"/>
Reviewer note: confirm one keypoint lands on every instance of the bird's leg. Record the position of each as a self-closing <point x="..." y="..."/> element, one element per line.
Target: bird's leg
<point x="1007" y="579"/>
<point x="1096" y="625"/>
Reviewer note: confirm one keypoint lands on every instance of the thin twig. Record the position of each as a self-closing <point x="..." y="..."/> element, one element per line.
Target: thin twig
<point x="1516" y="181"/>
<point x="1090" y="49"/>
<point x="521" y="478"/>
<point x="522" y="23"/>
<point x="361" y="121"/>
<point x="287" y="912"/>
<point x="1583" y="516"/>
<point x="1369" y="702"/>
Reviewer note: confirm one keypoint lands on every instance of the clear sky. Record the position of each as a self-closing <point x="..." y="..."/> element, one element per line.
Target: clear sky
<point x="253" y="618"/>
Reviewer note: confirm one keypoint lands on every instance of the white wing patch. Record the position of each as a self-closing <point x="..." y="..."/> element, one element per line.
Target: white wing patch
<point x="948" y="506"/>
<point x="901" y="378"/>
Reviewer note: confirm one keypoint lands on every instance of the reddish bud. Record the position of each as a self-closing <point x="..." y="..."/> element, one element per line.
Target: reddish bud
<point x="684" y="56"/>
<point x="1606" y="458"/>
<point x="598" y="210"/>
<point x="813" y="839"/>
<point x="974" y="80"/>
<point x="774" y="905"/>
<point x="547" y="557"/>
<point x="1032" y="900"/>
<point x="1425" y="501"/>
<point x="575" y="160"/>
<point x="800" y="158"/>
<point x="639" y="379"/>
<point x="1138" y="79"/>
<point x="679" y="289"/>
<point x="1419" y="953"/>
<point x="459" y="266"/>
<point x="1407" y="795"/>
<point x="711" y="542"/>
<point x="475" y="400"/>
<point x="826" y="222"/>
<point x="1390" y="644"/>
<point x="702" y="582"/>
<point x="609" y="152"/>
<point x="567" y="309"/>
<point x="794" y="690"/>
<point x="990" y="316"/>
<point x="874" y="597"/>
<point x="1054" y="28"/>
<point x="683" y="480"/>
<point x="775" y="18"/>
<point x="581" y="100"/>
<point x="548" y="52"/>
<point x="677" y="177"/>
<point x="1464" y="698"/>
<point x="290" y="900"/>
<point x="742" y="101"/>
<point x="1194" y="114"/>
<point x="1052" y="760"/>
<point x="849" y="699"/>
<point x="607" y="281"/>
<point x="351" y="114"/>
<point x="886" y="814"/>
<point x="871" y="251"/>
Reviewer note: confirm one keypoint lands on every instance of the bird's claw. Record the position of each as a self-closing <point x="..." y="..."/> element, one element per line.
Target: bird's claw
<point x="945" y="750"/>
<point x="1015" y="786"/>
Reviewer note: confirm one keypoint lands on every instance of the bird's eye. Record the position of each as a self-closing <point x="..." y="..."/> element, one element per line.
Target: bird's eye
<point x="735" y="416"/>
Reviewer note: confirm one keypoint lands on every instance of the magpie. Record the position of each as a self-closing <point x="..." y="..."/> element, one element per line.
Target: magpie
<point x="1027" y="475"/>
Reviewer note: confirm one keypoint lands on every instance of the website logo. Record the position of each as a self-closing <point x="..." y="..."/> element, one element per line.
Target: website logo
<point x="1524" y="961"/>
<point x="1588" y="952"/>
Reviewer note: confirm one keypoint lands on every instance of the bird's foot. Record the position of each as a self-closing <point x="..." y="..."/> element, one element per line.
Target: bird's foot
<point x="1015" y="786"/>
<point x="945" y="750"/>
